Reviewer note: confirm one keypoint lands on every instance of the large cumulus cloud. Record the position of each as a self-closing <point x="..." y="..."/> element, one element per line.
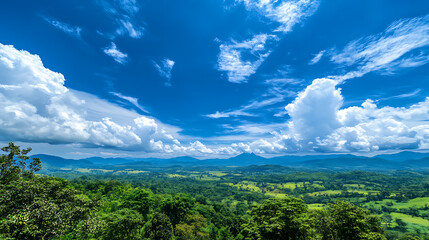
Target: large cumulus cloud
<point x="35" y="106"/>
<point x="314" y="111"/>
<point x="318" y="123"/>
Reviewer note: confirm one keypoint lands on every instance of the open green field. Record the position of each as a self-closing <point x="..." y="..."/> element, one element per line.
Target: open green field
<point x="420" y="202"/>
<point x="416" y="202"/>
<point x="413" y="223"/>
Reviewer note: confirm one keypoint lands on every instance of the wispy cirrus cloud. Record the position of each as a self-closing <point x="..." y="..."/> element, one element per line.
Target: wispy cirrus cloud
<point x="285" y="87"/>
<point x="164" y="69"/>
<point x="67" y="28"/>
<point x="124" y="14"/>
<point x="243" y="111"/>
<point x="132" y="100"/>
<point x="234" y="113"/>
<point x="317" y="57"/>
<point x="275" y="93"/>
<point x="114" y="52"/>
<point x="403" y="44"/>
<point x="127" y="27"/>
<point x="130" y="6"/>
<point x="403" y="95"/>
<point x="286" y="13"/>
<point x="231" y="58"/>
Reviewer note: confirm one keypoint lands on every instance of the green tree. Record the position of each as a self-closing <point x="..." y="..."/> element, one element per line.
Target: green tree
<point x="387" y="218"/>
<point x="122" y="224"/>
<point x="346" y="221"/>
<point x="285" y="218"/>
<point x="41" y="208"/>
<point x="14" y="163"/>
<point x="401" y="225"/>
<point x="159" y="227"/>
<point x="177" y="207"/>
<point x="193" y="228"/>
<point x="140" y="200"/>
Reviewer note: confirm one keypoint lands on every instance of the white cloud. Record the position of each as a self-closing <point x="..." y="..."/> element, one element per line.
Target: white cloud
<point x="243" y="111"/>
<point x="286" y="13"/>
<point x="368" y="128"/>
<point x="199" y="147"/>
<point x="365" y="128"/>
<point x="117" y="55"/>
<point x="393" y="49"/>
<point x="124" y="14"/>
<point x="35" y="106"/>
<point x="238" y="67"/>
<point x="130" y="6"/>
<point x="164" y="69"/>
<point x="313" y="112"/>
<point x="71" y="30"/>
<point x="257" y="130"/>
<point x="404" y="95"/>
<point x="234" y="113"/>
<point x="242" y="59"/>
<point x="277" y="91"/>
<point x="317" y="57"/>
<point x="281" y="82"/>
<point x="319" y="123"/>
<point x="132" y="100"/>
<point x="126" y="27"/>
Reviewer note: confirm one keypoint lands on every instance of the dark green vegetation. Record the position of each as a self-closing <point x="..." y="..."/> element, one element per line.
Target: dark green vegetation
<point x="253" y="202"/>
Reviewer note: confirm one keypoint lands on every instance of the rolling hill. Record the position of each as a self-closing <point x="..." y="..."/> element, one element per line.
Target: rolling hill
<point x="402" y="160"/>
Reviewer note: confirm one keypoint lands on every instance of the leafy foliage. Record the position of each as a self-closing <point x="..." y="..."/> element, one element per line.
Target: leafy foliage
<point x="285" y="218"/>
<point x="14" y="164"/>
<point x="343" y="220"/>
<point x="41" y="207"/>
<point x="159" y="227"/>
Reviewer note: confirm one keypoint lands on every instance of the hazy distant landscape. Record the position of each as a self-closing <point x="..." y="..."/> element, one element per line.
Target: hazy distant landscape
<point x="394" y="187"/>
<point x="338" y="162"/>
<point x="214" y="120"/>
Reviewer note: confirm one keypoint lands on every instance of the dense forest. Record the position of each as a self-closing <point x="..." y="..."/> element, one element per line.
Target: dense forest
<point x="255" y="202"/>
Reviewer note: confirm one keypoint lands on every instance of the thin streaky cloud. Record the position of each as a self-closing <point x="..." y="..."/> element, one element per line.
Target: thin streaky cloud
<point x="243" y="111"/>
<point x="275" y="93"/>
<point x="286" y="13"/>
<point x="317" y="57"/>
<point x="404" y="95"/>
<point x="235" y="113"/>
<point x="128" y="28"/>
<point x="117" y="55"/>
<point x="164" y="69"/>
<point x="388" y="51"/>
<point x="124" y="14"/>
<point x="283" y="81"/>
<point x="67" y="28"/>
<point x="130" y="6"/>
<point x="132" y="100"/>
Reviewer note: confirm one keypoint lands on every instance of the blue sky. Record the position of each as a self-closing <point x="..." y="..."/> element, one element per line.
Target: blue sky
<point x="214" y="78"/>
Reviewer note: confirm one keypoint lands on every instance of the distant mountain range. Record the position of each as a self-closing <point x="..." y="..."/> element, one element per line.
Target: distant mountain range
<point x="401" y="160"/>
<point x="54" y="161"/>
